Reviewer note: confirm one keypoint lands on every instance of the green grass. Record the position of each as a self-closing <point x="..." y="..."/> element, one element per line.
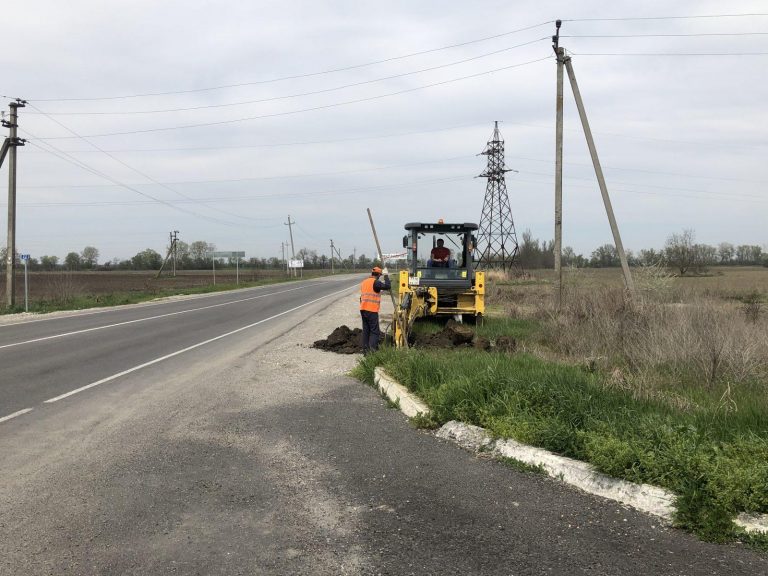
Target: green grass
<point x="518" y="328"/>
<point x="491" y="328"/>
<point x="715" y="460"/>
<point x="85" y="301"/>
<point x="523" y="466"/>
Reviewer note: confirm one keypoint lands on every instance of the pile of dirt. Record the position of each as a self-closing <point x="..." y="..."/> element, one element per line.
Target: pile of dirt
<point x="342" y="340"/>
<point x="453" y="335"/>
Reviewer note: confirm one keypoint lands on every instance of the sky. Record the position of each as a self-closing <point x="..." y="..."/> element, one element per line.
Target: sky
<point x="223" y="119"/>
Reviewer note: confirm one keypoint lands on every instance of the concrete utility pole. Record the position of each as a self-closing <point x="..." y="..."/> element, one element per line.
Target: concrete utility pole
<point x="560" y="52"/>
<point x="171" y="252"/>
<point x="290" y="231"/>
<point x="599" y="173"/>
<point x="175" y="244"/>
<point x="331" y="255"/>
<point x="10" y="146"/>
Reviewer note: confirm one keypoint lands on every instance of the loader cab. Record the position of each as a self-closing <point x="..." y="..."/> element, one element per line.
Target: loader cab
<point x="440" y="254"/>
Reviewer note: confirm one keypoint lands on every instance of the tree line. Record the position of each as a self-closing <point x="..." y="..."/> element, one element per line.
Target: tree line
<point x="189" y="256"/>
<point x="680" y="252"/>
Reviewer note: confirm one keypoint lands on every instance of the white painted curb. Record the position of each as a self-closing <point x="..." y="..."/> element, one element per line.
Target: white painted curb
<point x="409" y="404"/>
<point x="752" y="522"/>
<point x="644" y="497"/>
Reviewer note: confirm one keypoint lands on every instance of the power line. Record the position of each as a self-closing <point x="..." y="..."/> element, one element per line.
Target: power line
<point x="280" y="177"/>
<point x="301" y="94"/>
<point x="297" y="76"/>
<point x="312" y="109"/>
<point x="663" y="35"/>
<point x="668" y="53"/>
<point x="659" y="187"/>
<point x="734" y="198"/>
<point x="661" y="17"/>
<point x="410" y="164"/>
<point x="251" y="197"/>
<point x="64" y="156"/>
<point x="644" y="171"/>
<point x="284" y="144"/>
<point x="136" y="170"/>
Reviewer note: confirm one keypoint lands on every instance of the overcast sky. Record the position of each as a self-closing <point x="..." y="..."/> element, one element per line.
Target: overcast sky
<point x="219" y="119"/>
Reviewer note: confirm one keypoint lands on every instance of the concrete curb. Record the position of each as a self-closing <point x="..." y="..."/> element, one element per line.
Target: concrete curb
<point x="409" y="404"/>
<point x="752" y="522"/>
<point x="644" y="497"/>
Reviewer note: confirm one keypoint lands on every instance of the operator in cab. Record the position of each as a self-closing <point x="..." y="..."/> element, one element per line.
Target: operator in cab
<point x="440" y="255"/>
<point x="370" y="303"/>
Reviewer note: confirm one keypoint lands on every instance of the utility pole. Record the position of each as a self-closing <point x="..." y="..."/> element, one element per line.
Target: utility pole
<point x="630" y="286"/>
<point x="332" y="256"/>
<point x="175" y="244"/>
<point x="282" y="250"/>
<point x="171" y="252"/>
<point x="290" y="231"/>
<point x="9" y="146"/>
<point x="560" y="53"/>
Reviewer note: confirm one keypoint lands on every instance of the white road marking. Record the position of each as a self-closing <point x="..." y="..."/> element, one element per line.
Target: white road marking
<point x="19" y="413"/>
<point x="188" y="348"/>
<point x="76" y="332"/>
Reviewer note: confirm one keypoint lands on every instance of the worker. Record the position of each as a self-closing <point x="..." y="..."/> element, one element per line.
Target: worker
<point x="370" y="302"/>
<point x="440" y="255"/>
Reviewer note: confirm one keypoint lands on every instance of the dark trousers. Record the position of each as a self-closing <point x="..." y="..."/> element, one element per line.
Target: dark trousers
<point x="371" y="332"/>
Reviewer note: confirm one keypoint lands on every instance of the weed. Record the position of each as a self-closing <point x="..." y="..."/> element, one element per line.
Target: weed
<point x="425" y="421"/>
<point x="751" y="305"/>
<point x="667" y="388"/>
<point x="521" y="466"/>
<point x="714" y="458"/>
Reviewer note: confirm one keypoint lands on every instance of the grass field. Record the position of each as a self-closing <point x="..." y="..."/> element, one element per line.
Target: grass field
<point x="50" y="291"/>
<point x="669" y="387"/>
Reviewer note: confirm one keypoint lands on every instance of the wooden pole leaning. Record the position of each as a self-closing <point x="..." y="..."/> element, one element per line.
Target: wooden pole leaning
<point x="395" y="314"/>
<point x="629" y="284"/>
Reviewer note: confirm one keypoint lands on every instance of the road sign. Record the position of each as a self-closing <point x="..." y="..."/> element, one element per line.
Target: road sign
<point x="229" y="254"/>
<point x="296" y="263"/>
<point x="24" y="257"/>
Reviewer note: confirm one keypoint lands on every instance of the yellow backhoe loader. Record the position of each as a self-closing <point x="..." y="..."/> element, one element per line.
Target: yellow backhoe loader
<point x="440" y="279"/>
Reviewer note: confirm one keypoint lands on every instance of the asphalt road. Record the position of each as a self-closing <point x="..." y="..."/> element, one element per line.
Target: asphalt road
<point x="255" y="454"/>
<point x="44" y="359"/>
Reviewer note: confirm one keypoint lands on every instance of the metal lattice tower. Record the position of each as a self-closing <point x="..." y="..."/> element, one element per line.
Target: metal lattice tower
<point x="497" y="239"/>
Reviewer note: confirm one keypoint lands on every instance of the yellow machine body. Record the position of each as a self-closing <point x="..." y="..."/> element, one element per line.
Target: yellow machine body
<point x="452" y="289"/>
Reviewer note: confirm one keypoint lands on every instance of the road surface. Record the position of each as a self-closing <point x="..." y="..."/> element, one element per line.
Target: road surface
<point x="216" y="441"/>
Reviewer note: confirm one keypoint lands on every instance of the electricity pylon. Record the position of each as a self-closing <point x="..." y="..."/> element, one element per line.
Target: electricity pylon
<point x="497" y="238"/>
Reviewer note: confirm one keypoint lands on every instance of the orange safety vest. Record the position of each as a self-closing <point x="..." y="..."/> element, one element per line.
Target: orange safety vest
<point x="370" y="300"/>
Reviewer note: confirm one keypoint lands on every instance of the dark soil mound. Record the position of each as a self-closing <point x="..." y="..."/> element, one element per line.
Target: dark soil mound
<point x="454" y="335"/>
<point x="342" y="340"/>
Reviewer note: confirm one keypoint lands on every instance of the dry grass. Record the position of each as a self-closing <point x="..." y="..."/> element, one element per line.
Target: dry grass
<point x="678" y="338"/>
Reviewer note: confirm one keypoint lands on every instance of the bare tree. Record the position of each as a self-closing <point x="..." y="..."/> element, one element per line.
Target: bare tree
<point x="726" y="252"/>
<point x="679" y="251"/>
